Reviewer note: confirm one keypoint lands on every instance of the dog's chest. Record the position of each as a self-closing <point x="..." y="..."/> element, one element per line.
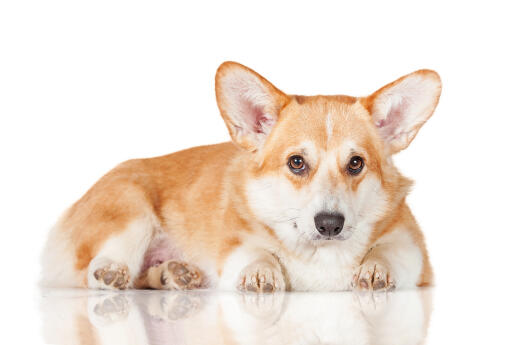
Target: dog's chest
<point x="327" y="269"/>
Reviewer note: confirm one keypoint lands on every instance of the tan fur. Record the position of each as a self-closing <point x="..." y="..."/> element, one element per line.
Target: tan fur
<point x="178" y="188"/>
<point x="197" y="196"/>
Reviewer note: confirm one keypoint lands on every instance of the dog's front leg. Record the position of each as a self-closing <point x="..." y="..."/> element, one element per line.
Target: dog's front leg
<point x="263" y="275"/>
<point x="252" y="269"/>
<point x="395" y="261"/>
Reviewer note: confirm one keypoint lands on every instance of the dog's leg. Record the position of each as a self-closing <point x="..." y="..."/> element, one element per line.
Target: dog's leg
<point x="120" y="258"/>
<point x="250" y="269"/>
<point x="262" y="275"/>
<point x="171" y="275"/>
<point x="395" y="261"/>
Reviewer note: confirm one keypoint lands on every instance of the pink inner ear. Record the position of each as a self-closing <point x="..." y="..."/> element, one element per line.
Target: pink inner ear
<point x="390" y="125"/>
<point x="255" y="117"/>
<point x="263" y="123"/>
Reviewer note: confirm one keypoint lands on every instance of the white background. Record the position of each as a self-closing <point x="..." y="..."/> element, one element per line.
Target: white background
<point x="86" y="85"/>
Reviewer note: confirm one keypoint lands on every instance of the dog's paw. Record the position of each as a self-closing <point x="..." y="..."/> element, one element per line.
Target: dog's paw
<point x="176" y="275"/>
<point x="261" y="277"/>
<point x="373" y="276"/>
<point x="112" y="276"/>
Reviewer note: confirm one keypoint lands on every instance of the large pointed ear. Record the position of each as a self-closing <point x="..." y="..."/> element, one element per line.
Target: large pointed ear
<point x="400" y="108"/>
<point x="249" y="104"/>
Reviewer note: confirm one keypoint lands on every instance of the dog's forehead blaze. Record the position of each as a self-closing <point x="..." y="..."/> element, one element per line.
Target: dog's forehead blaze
<point x="330" y="123"/>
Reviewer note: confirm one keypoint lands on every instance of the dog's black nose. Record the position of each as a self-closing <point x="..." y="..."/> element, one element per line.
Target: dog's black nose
<point x="329" y="224"/>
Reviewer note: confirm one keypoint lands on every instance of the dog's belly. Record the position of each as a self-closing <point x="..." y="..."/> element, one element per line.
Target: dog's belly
<point x="327" y="270"/>
<point x="160" y="250"/>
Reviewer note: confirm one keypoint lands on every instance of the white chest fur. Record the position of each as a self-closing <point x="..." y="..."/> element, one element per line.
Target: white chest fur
<point x="324" y="268"/>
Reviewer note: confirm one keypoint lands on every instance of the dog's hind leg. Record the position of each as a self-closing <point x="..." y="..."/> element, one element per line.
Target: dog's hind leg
<point x="100" y="242"/>
<point x="120" y="259"/>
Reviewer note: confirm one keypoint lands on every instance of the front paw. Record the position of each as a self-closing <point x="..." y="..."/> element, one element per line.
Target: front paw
<point x="261" y="277"/>
<point x="373" y="275"/>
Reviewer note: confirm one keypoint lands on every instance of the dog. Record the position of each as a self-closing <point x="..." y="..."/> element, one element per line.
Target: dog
<point x="306" y="197"/>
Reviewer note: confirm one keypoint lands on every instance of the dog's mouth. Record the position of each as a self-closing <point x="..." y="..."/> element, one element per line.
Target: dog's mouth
<point x="342" y="236"/>
<point x="318" y="239"/>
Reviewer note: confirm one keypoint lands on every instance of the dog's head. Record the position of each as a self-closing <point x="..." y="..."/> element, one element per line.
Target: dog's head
<point x="321" y="166"/>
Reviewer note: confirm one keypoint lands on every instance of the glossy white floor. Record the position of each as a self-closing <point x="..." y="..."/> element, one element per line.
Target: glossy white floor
<point x="159" y="317"/>
<point x="153" y="317"/>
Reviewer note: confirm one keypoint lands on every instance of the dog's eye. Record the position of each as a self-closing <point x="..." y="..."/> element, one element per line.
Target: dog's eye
<point x="355" y="165"/>
<point x="296" y="164"/>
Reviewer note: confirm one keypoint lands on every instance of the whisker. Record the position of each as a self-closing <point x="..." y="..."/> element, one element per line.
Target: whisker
<point x="287" y="220"/>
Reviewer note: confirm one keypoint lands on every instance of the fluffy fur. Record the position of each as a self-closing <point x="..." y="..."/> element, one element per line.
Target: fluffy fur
<point x="234" y="215"/>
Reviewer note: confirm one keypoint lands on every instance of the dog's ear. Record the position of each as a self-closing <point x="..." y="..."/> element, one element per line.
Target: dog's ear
<point x="400" y="108"/>
<point x="249" y="104"/>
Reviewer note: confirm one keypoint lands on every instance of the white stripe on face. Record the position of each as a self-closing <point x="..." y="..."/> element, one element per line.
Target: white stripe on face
<point x="329" y="127"/>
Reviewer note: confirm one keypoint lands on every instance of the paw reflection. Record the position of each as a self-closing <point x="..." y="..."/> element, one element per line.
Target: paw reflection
<point x="262" y="306"/>
<point x="171" y="306"/>
<point x="111" y="308"/>
<point x="161" y="317"/>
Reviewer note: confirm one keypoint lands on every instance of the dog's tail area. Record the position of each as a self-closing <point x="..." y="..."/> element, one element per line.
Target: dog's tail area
<point x="57" y="260"/>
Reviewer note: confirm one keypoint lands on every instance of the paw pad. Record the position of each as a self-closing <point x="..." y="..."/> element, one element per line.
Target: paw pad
<point x="114" y="276"/>
<point x="180" y="276"/>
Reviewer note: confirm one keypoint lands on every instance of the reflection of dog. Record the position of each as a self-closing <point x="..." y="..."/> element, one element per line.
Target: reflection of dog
<point x="171" y="306"/>
<point x="197" y="318"/>
<point x="305" y="198"/>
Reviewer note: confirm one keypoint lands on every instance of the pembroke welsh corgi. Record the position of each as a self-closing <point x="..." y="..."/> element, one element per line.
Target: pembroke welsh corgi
<point x="305" y="197"/>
